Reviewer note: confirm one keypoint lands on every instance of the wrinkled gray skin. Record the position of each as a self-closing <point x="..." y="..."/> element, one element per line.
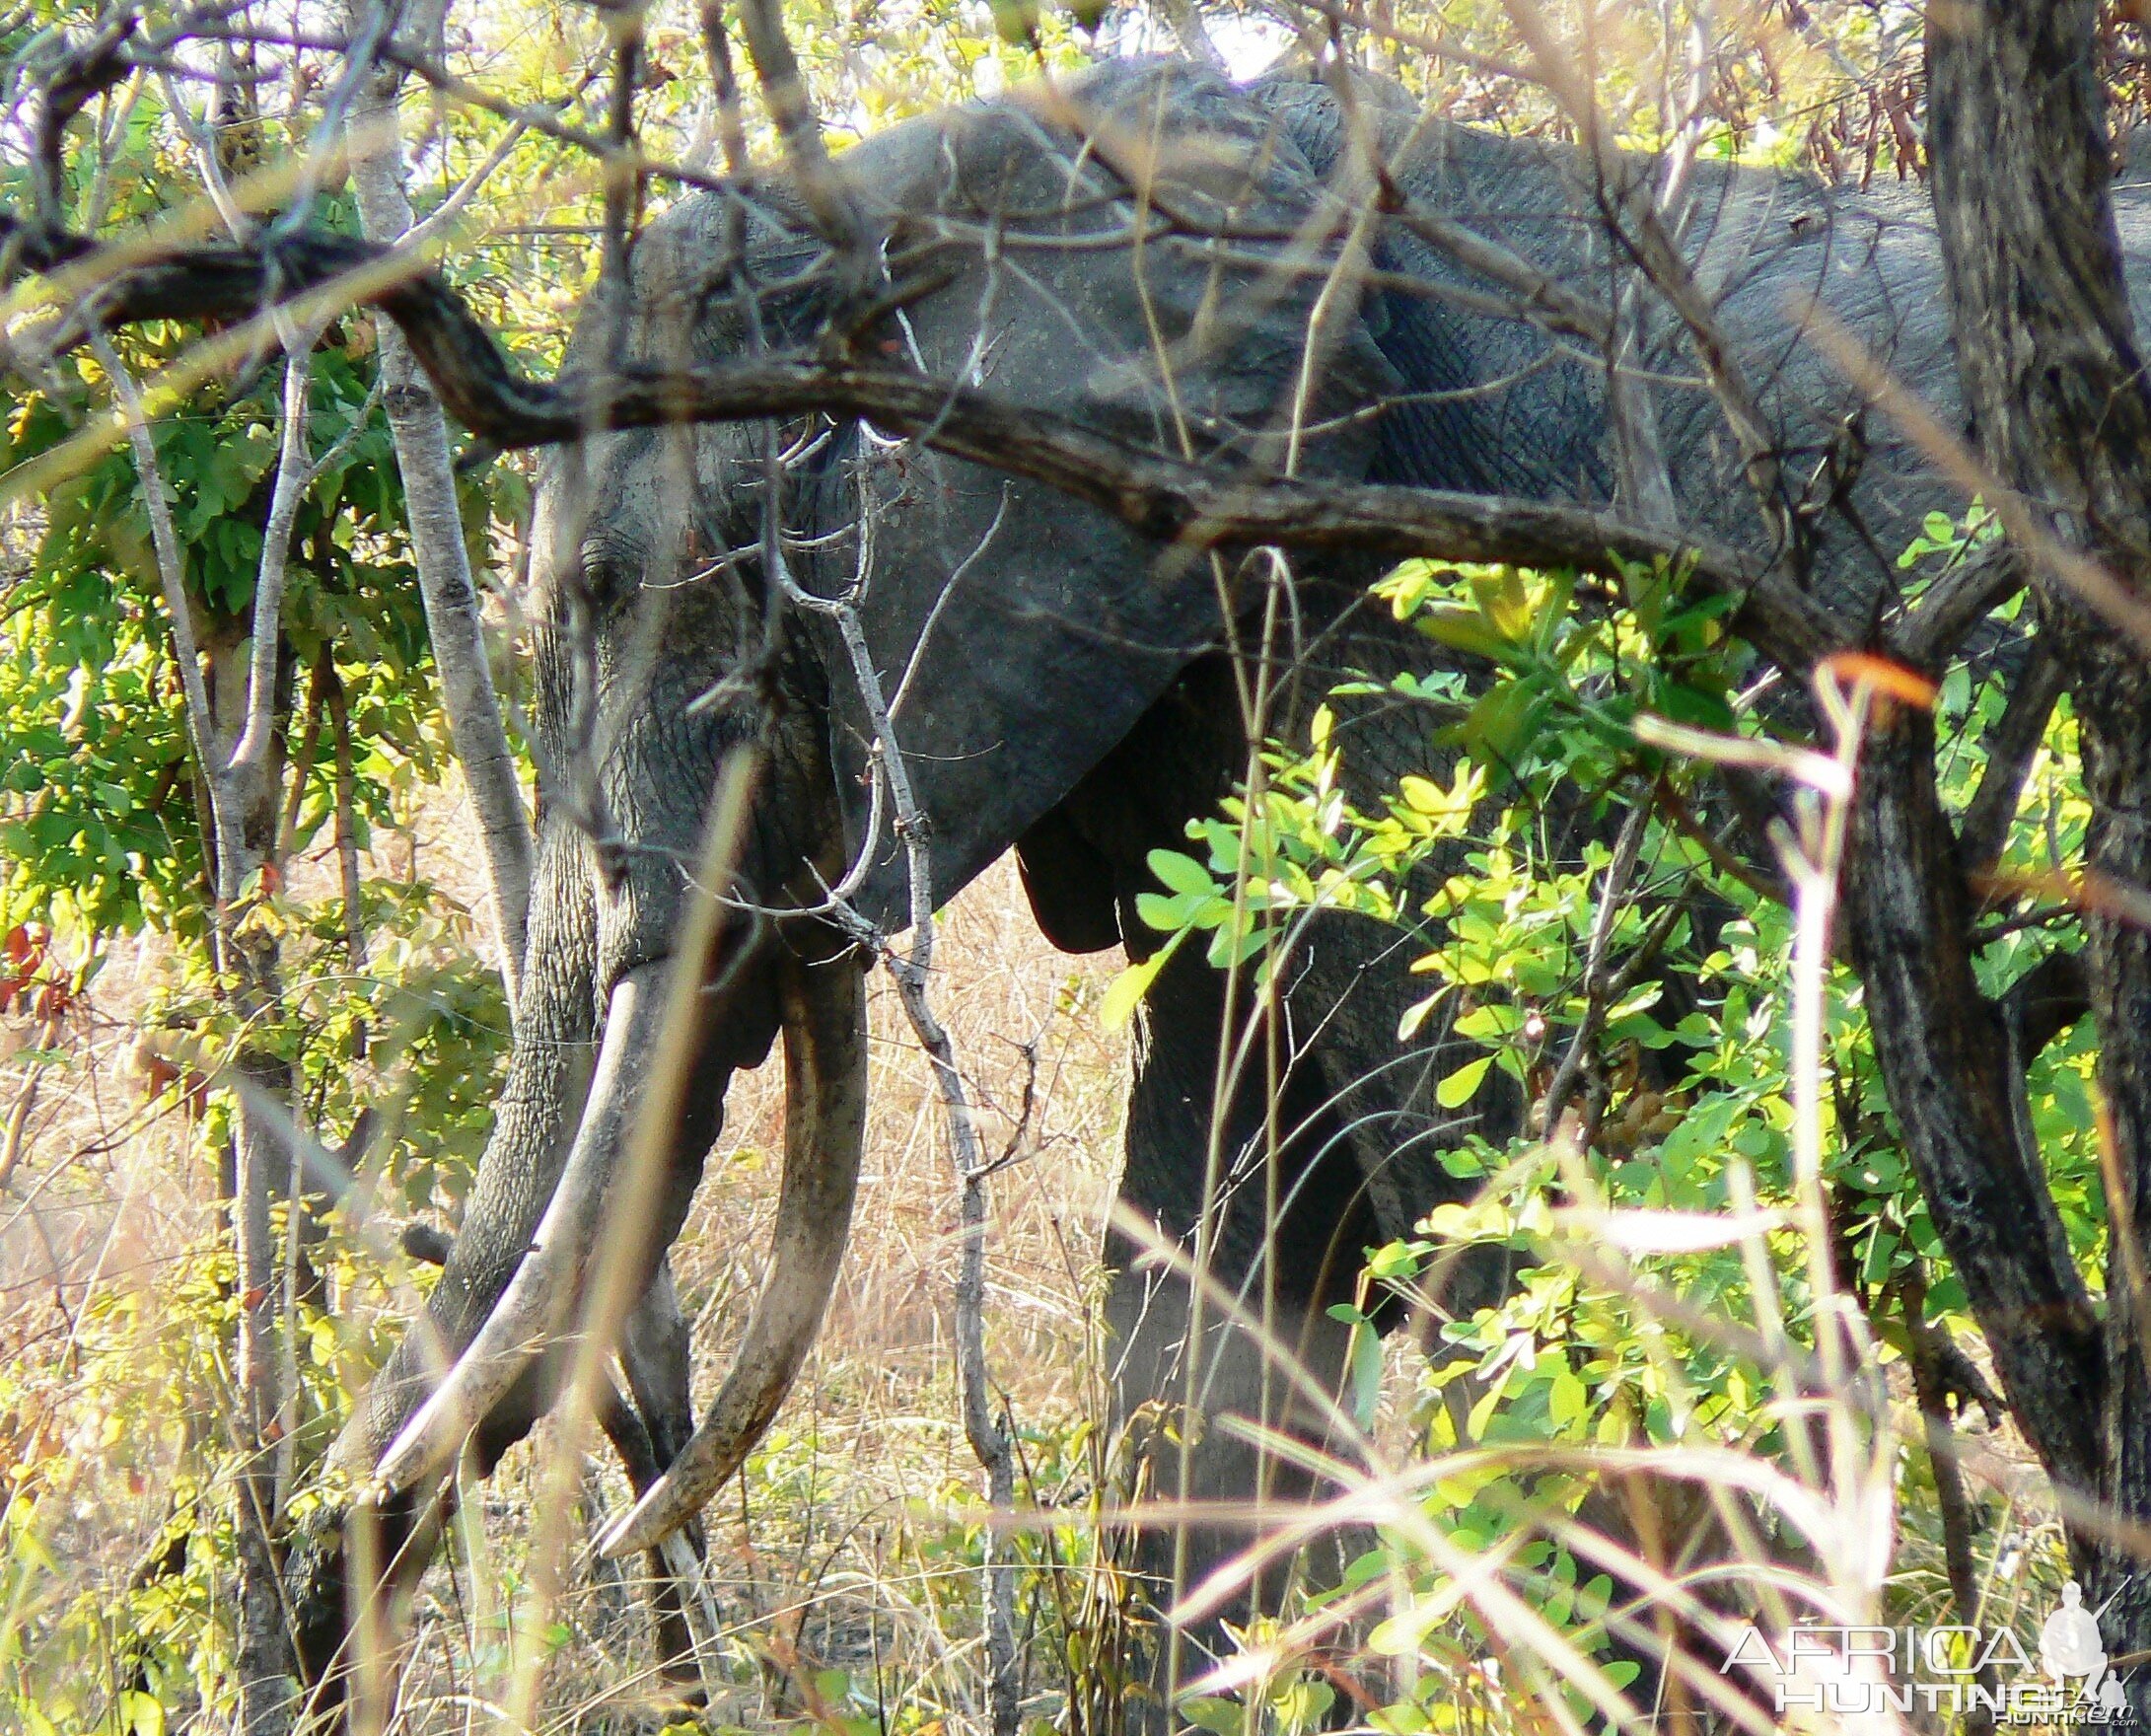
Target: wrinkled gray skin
<point x="1071" y="696"/>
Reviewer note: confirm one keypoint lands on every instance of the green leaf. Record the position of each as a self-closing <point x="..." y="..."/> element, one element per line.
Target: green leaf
<point x="1459" y="1088"/>
<point x="1169" y="914"/>
<point x="1464" y="630"/>
<point x="1303" y="1705"/>
<point x="1696" y="707"/>
<point x="1366" y="1374"/>
<point x="1129" y="987"/>
<point x="1183" y="874"/>
<point x="1398" y="1259"/>
<point x="1221" y="1718"/>
<point x="1016" y="20"/>
<point x="1501" y="721"/>
<point x="1505" y="603"/>
<point x="1566" y="1399"/>
<point x="142" y="1715"/>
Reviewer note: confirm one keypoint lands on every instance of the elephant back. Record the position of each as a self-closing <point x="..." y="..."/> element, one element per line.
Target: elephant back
<point x="1491" y="402"/>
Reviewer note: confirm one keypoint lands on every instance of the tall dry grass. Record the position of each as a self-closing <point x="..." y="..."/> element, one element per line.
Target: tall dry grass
<point x="843" y="1550"/>
<point x="841" y="1587"/>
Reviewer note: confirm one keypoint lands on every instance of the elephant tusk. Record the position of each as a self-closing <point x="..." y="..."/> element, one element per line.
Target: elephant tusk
<point x="825" y="1133"/>
<point x="541" y="1296"/>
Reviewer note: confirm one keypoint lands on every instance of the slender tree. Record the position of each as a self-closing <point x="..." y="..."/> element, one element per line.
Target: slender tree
<point x="2054" y="382"/>
<point x="423" y="457"/>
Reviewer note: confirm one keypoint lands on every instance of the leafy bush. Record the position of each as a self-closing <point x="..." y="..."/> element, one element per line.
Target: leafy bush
<point x="1666" y="1312"/>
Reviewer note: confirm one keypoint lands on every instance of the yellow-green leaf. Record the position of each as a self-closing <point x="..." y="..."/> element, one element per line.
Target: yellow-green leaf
<point x="1457" y="1090"/>
<point x="1129" y="987"/>
<point x="1566" y="1399"/>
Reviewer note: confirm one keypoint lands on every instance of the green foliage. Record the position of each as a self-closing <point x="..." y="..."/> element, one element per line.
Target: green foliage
<point x="100" y="832"/>
<point x="159" y="1632"/>
<point x="101" y="838"/>
<point x="1615" y="1335"/>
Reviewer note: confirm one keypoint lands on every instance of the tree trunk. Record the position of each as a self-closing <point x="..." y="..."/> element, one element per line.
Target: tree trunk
<point x="244" y="815"/>
<point x="262" y="1166"/>
<point x="420" y="433"/>
<point x="2054" y="385"/>
<point x="1944" y="1060"/>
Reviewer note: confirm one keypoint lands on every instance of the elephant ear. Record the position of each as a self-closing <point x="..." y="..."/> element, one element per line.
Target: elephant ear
<point x="1019" y="634"/>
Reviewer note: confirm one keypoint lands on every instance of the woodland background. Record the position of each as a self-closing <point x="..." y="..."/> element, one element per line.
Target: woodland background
<point x="843" y="1565"/>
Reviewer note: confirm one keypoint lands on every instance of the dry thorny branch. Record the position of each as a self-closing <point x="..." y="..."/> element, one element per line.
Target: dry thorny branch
<point x="912" y="968"/>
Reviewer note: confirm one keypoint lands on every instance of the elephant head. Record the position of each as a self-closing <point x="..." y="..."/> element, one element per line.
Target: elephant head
<point x="742" y="630"/>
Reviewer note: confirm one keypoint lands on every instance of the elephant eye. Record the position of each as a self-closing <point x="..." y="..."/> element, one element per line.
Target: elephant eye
<point x="606" y="576"/>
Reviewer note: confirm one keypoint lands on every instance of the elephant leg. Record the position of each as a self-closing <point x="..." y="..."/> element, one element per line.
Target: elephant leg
<point x="1172" y="1406"/>
<point x="1188" y="1357"/>
<point x="548" y="1074"/>
<point x="626" y="1426"/>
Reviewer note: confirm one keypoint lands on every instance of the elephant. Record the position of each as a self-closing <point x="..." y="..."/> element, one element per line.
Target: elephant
<point x="752" y="623"/>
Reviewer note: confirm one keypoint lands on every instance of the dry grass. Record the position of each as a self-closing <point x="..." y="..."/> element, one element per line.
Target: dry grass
<point x="841" y="1569"/>
<point x="849" y="1545"/>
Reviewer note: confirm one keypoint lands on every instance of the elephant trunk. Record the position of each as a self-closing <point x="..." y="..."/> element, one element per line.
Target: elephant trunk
<point x="655" y="1102"/>
<point x="541" y="1299"/>
<point x="825" y="1131"/>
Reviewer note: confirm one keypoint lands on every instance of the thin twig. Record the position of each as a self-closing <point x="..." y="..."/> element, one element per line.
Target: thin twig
<point x="912" y="969"/>
<point x="1596" y="980"/>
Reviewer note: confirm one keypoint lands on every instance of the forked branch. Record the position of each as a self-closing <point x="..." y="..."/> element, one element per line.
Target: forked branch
<point x="1189" y="504"/>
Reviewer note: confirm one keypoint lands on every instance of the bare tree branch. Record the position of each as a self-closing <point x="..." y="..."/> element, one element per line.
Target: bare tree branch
<point x="1172" y="501"/>
<point x="912" y="969"/>
<point x="295" y="473"/>
<point x="435" y="515"/>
